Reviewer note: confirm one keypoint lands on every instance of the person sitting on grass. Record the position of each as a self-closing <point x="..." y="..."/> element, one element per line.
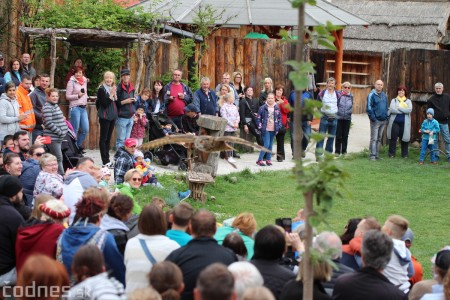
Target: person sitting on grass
<point x="429" y="129"/>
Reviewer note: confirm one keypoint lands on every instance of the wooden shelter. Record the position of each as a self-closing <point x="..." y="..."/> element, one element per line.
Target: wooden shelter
<point x="95" y="37"/>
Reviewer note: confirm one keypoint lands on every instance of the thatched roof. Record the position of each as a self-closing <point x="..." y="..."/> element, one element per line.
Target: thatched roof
<point x="396" y="24"/>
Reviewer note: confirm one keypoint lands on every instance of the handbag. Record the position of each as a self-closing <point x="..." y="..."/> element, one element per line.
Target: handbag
<point x="431" y="141"/>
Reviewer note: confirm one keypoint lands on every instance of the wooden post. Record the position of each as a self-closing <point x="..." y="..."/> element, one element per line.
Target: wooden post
<point x="127" y="55"/>
<point x="52" y="58"/>
<point x="339" y="56"/>
<point x="141" y="48"/>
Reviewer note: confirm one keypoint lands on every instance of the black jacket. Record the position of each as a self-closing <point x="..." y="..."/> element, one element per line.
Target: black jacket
<point x="126" y="110"/>
<point x="441" y="106"/>
<point x="368" y="284"/>
<point x="342" y="269"/>
<point x="106" y="108"/>
<point x="196" y="256"/>
<point x="10" y="220"/>
<point x="275" y="276"/>
<point x="247" y="109"/>
<point x="293" y="290"/>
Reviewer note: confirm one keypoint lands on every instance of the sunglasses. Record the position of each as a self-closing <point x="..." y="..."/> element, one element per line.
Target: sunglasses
<point x="136" y="179"/>
<point x="347" y="87"/>
<point x="39" y="154"/>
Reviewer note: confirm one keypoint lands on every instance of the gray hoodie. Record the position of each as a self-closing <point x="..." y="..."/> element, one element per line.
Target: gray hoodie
<point x="74" y="186"/>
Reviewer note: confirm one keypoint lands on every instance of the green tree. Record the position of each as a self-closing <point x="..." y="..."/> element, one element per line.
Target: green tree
<point x="321" y="182"/>
<point x="88" y="14"/>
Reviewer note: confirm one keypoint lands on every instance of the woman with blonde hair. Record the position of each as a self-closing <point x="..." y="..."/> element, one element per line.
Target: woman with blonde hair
<point x="48" y="181"/>
<point x="107" y="113"/>
<point x="224" y="90"/>
<point x="245" y="225"/>
<point x="238" y="83"/>
<point x="266" y="90"/>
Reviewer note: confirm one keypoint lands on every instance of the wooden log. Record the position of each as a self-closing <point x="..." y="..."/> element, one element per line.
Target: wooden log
<point x="52" y="58"/>
<point x="339" y="56"/>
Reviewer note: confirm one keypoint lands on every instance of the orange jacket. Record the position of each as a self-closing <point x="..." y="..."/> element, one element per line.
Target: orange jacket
<point x="354" y="247"/>
<point x="25" y="107"/>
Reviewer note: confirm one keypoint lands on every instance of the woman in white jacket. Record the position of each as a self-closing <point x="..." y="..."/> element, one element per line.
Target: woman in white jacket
<point x="147" y="248"/>
<point x="9" y="112"/>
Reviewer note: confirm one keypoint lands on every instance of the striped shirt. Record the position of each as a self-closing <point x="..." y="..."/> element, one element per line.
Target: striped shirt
<point x="54" y="123"/>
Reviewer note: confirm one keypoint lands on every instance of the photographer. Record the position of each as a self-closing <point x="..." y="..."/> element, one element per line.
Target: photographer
<point x="248" y="108"/>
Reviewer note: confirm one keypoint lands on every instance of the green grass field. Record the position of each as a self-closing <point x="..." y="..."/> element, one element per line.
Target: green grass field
<point x="379" y="189"/>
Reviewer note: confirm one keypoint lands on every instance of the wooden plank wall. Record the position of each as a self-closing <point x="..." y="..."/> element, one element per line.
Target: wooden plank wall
<point x="418" y="70"/>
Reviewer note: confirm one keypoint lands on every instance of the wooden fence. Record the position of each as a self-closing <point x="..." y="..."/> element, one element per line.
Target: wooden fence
<point x="418" y="70"/>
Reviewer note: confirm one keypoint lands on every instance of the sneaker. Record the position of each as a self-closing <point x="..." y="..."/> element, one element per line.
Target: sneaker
<point x="420" y="162"/>
<point x="236" y="155"/>
<point x="260" y="163"/>
<point x="268" y="162"/>
<point x="231" y="160"/>
<point x="184" y="195"/>
<point x="434" y="163"/>
<point x="109" y="165"/>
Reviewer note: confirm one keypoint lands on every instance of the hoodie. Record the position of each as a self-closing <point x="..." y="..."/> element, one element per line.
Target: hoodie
<point x="74" y="186"/>
<point x="36" y="238"/>
<point x="400" y="267"/>
<point x="30" y="172"/>
<point x="88" y="234"/>
<point x="128" y="190"/>
<point x="118" y="229"/>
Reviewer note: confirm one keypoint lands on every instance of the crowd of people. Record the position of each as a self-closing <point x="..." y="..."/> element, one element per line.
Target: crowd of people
<point x="77" y="230"/>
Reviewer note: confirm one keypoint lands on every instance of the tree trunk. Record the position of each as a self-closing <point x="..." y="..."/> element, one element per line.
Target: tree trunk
<point x="52" y="59"/>
<point x="140" y="53"/>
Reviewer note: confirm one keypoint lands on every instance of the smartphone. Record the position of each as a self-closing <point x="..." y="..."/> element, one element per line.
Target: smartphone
<point x="82" y="90"/>
<point x="47" y="140"/>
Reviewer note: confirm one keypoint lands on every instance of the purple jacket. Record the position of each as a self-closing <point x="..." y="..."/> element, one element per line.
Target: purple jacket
<point x="263" y="117"/>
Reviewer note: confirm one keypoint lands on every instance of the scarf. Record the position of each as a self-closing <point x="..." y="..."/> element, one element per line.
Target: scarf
<point x="108" y="90"/>
<point x="80" y="80"/>
<point x="402" y="102"/>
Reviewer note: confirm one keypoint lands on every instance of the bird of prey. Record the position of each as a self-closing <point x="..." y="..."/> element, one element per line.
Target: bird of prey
<point x="205" y="143"/>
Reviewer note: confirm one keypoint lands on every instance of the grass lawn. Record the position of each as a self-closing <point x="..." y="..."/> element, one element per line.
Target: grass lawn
<point x="379" y="189"/>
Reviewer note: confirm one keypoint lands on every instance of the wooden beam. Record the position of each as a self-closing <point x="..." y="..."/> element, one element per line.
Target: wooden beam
<point x="140" y="53"/>
<point x="339" y="56"/>
<point x="52" y="59"/>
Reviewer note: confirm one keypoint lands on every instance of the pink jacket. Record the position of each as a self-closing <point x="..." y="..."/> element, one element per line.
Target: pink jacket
<point x="73" y="89"/>
<point x="138" y="130"/>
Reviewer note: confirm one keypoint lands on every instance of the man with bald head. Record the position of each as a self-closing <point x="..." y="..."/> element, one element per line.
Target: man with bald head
<point x="200" y="252"/>
<point x="377" y="110"/>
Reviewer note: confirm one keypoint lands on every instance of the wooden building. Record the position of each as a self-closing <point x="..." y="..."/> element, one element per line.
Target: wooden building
<point x="415" y="33"/>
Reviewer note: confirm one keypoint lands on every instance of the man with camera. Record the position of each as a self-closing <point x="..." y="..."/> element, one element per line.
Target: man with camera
<point x="176" y="96"/>
<point x="125" y="108"/>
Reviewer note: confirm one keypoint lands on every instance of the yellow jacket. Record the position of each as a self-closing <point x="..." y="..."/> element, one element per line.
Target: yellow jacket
<point x="25" y="107"/>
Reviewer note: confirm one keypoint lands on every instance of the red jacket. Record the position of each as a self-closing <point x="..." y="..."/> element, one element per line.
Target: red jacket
<point x="37" y="239"/>
<point x="285" y="109"/>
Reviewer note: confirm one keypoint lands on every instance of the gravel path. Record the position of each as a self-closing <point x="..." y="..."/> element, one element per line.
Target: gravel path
<point x="358" y="141"/>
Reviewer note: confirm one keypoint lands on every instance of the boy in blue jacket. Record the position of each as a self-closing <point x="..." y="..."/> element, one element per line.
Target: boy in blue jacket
<point x="429" y="129"/>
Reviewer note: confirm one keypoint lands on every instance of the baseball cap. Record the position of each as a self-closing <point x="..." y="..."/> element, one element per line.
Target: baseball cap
<point x="191" y="107"/>
<point x="130" y="142"/>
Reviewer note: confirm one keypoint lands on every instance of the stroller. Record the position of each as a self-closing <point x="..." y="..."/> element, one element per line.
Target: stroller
<point x="70" y="151"/>
<point x="168" y="154"/>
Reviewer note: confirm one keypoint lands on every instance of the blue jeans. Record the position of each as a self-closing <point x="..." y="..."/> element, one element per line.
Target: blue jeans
<point x="424" y="148"/>
<point x="79" y="120"/>
<point x="306" y="134"/>
<point x="376" y="133"/>
<point x="268" y="137"/>
<point x="123" y="130"/>
<point x="446" y="137"/>
<point x="328" y="126"/>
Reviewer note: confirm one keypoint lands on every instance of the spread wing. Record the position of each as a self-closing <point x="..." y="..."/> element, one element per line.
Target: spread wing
<point x="170" y="139"/>
<point x="237" y="140"/>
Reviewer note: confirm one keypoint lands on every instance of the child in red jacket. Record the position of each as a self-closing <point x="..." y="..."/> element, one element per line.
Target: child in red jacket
<point x="140" y="122"/>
